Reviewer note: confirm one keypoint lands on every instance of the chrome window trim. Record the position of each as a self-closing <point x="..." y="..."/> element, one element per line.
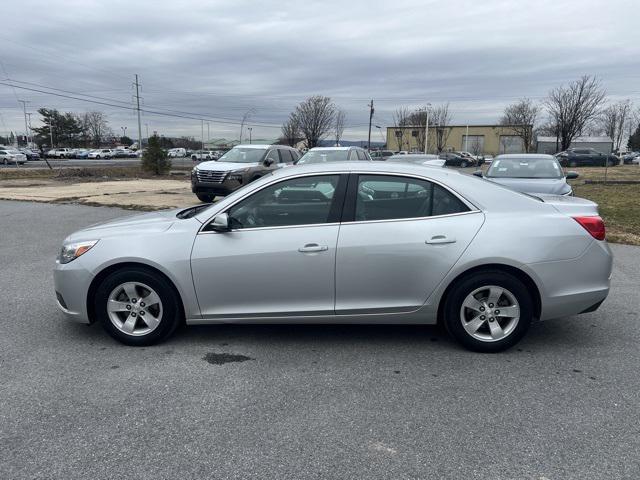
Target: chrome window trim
<point x="472" y="207"/>
<point x="408" y="219"/>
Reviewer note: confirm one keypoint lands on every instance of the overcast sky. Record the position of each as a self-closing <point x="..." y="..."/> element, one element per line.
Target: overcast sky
<point x="218" y="59"/>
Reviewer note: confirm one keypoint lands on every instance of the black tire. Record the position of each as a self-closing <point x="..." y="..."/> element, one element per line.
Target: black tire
<point x="573" y="163"/>
<point x="171" y="307"/>
<point x="463" y="164"/>
<point x="465" y="286"/>
<point x="205" y="198"/>
<point x="97" y="157"/>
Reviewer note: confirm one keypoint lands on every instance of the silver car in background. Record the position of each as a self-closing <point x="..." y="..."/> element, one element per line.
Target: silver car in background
<point x="344" y="242"/>
<point x="530" y="173"/>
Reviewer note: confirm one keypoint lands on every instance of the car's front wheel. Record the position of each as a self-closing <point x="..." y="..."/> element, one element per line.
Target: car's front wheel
<point x="488" y="311"/>
<point x="137" y="306"/>
<point x="463" y="164"/>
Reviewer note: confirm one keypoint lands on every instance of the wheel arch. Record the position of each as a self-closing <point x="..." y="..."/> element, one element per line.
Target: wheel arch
<point x="521" y="275"/>
<point x="104" y="273"/>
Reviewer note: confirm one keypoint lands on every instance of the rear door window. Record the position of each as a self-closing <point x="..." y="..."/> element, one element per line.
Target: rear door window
<point x="382" y="197"/>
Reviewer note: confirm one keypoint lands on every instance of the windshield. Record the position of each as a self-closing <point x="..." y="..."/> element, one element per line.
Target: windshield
<point x="525" y="168"/>
<point x="243" y="155"/>
<point x="320" y="156"/>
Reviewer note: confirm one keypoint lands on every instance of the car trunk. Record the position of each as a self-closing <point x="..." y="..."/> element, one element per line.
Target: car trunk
<point x="571" y="206"/>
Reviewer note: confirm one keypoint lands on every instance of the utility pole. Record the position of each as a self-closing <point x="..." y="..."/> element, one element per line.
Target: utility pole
<point x="26" y="129"/>
<point x="208" y="133"/>
<point x="371" y="110"/>
<point x="124" y="131"/>
<point x="201" y="134"/>
<point x="30" y="134"/>
<point x="147" y="127"/>
<point x="426" y="130"/>
<point x="249" y="128"/>
<point x="138" y="110"/>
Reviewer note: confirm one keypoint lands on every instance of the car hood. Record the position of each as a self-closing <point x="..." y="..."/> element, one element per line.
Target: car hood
<point x="553" y="186"/>
<point x="152" y="222"/>
<point x="224" y="166"/>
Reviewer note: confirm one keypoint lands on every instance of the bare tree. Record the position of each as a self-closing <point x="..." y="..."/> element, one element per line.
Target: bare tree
<point x="315" y="117"/>
<point x="572" y="107"/>
<point x="440" y="119"/>
<point x="97" y="126"/>
<point x="476" y="146"/>
<point x="521" y="117"/>
<point x="291" y="131"/>
<point x="401" y="119"/>
<point x="339" y="126"/>
<point x="418" y="119"/>
<point x="614" y="121"/>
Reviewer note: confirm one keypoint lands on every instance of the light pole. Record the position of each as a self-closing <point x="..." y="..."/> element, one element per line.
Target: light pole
<point x="426" y="130"/>
<point x="201" y="134"/>
<point x="124" y="131"/>
<point x="26" y="129"/>
<point x="250" y="129"/>
<point x="245" y="117"/>
<point x="466" y="140"/>
<point x="147" y="127"/>
<point x="208" y="134"/>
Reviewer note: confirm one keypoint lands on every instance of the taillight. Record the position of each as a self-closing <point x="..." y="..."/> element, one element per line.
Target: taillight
<point x="593" y="225"/>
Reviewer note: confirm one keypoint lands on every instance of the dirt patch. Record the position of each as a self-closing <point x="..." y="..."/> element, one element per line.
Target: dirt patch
<point x="138" y="194"/>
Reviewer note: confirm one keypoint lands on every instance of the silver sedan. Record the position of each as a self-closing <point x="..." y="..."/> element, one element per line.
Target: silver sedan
<point x="350" y="242"/>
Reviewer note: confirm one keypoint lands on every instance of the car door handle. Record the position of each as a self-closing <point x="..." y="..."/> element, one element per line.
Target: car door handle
<point x="313" y="247"/>
<point x="440" y="240"/>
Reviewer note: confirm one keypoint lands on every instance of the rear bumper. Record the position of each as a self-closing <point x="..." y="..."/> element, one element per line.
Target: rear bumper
<point x="575" y="286"/>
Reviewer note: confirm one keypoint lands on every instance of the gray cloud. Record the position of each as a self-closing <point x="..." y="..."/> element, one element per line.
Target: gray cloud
<point x="220" y="58"/>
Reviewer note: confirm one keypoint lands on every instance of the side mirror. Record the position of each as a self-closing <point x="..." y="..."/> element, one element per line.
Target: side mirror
<point x="268" y="162"/>
<point x="478" y="173"/>
<point x="572" y="175"/>
<point x="220" y="223"/>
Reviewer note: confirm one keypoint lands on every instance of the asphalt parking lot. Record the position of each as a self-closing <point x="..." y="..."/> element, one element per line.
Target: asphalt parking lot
<point x="305" y="401"/>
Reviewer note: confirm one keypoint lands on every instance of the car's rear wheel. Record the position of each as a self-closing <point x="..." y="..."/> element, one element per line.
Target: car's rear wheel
<point x="137" y="306"/>
<point x="205" y="198"/>
<point x="488" y="311"/>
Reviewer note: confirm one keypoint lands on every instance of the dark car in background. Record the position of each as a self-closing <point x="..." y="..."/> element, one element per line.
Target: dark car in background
<point x="456" y="160"/>
<point x="628" y="158"/>
<point x="30" y="154"/>
<point x="586" y="157"/>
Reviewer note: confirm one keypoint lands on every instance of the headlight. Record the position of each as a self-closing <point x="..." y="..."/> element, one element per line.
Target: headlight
<point x="72" y="251"/>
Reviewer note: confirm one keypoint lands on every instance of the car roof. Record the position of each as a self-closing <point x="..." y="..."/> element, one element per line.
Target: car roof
<point x="260" y="146"/>
<point x="332" y="148"/>
<point x="525" y="156"/>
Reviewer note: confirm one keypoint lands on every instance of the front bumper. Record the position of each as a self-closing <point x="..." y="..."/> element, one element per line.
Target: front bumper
<point x="224" y="188"/>
<point x="71" y="282"/>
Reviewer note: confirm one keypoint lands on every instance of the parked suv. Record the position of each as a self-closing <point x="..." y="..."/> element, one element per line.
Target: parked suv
<point x="580" y="157"/>
<point x="239" y="166"/>
<point x="60" y="153"/>
<point x="101" y="153"/>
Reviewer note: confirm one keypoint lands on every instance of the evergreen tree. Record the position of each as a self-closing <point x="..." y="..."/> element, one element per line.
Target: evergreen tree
<point x="155" y="158"/>
<point x="634" y="140"/>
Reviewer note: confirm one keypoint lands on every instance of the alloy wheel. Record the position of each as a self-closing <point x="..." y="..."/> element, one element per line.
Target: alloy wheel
<point x="134" y="308"/>
<point x="490" y="313"/>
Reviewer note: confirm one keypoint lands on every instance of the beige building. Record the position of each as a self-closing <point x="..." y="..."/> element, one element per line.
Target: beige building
<point x="476" y="139"/>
